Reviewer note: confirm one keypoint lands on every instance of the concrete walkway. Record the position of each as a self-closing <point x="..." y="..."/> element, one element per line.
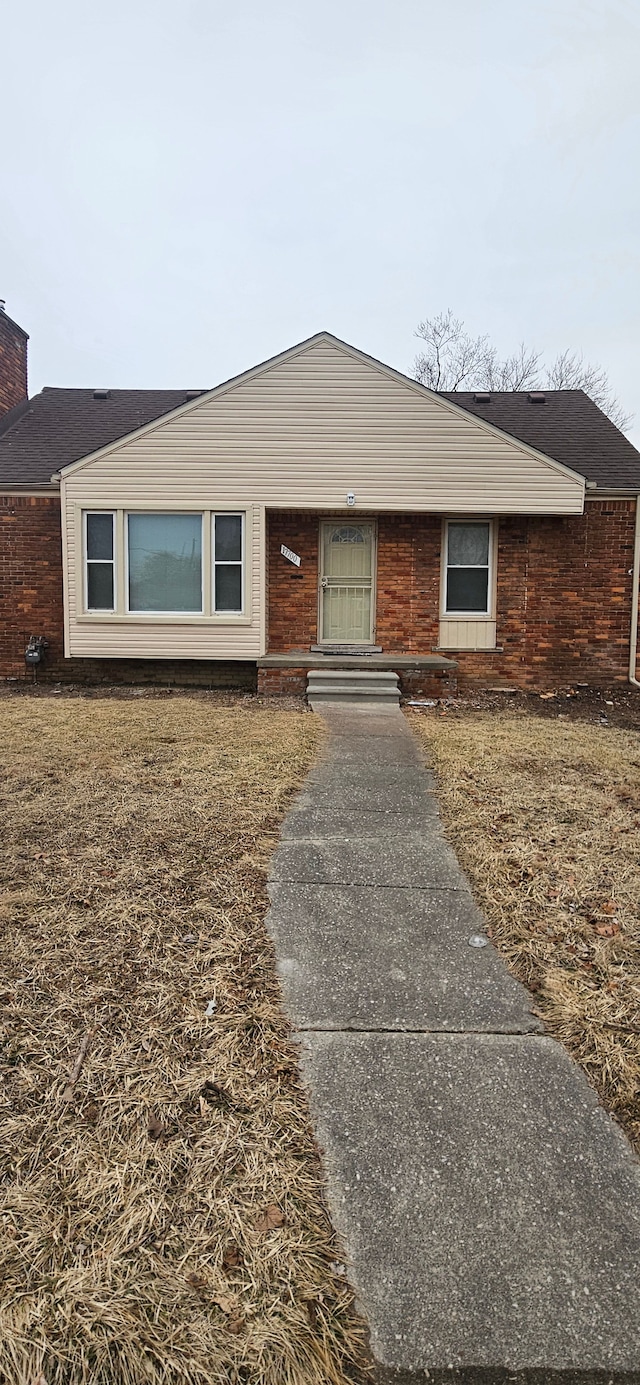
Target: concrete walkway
<point x="490" y="1208"/>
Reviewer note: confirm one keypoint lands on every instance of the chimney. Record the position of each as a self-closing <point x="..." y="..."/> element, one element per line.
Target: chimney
<point x="13" y="363"/>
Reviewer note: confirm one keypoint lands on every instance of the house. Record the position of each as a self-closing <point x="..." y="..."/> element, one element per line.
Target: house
<point x="320" y="509"/>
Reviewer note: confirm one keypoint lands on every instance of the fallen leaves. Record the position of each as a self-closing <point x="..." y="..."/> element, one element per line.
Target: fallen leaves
<point x="236" y="1324"/>
<point x="217" y="1095"/>
<point x="155" y="1128"/>
<point x="270" y="1219"/>
<point x="227" y="1303"/>
<point x="232" y="1256"/>
<point x="197" y="1281"/>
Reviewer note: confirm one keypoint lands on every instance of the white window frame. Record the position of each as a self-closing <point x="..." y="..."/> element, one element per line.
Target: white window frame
<point x="489" y="613"/>
<point x="86" y="561"/>
<point x="177" y="614"/>
<point x="228" y="562"/>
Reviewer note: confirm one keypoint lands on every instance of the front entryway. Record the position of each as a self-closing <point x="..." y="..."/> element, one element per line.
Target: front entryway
<point x="346" y="583"/>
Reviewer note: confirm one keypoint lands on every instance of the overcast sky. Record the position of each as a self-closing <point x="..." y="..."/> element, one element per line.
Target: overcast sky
<point x="190" y="186"/>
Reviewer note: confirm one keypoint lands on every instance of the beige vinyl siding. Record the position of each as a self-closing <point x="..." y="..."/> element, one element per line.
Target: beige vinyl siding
<point x="467" y="634"/>
<point x="321" y="423"/>
<point x="153" y="636"/>
<point x="318" y="422"/>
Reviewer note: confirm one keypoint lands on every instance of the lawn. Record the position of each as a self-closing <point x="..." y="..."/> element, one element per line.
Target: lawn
<point x="163" y="1216"/>
<point x="545" y="818"/>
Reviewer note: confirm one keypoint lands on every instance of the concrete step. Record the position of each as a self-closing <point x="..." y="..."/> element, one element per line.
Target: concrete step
<point x="355" y="675"/>
<point x="355" y="690"/>
<point x="349" y="697"/>
<point x="353" y="686"/>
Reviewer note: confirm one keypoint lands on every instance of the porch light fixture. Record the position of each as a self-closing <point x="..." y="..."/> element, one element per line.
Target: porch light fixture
<point x="351" y="499"/>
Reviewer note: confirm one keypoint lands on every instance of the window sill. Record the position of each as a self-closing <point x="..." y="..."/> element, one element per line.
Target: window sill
<point x="481" y="616"/>
<point x="460" y="649"/>
<point x="180" y="618"/>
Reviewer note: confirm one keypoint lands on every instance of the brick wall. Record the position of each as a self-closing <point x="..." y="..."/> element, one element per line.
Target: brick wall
<point x="292" y="592"/>
<point x="564" y="594"/>
<point x="564" y="599"/>
<point x="13" y="364"/>
<point x="408" y="582"/>
<point x="563" y="615"/>
<point x="30" y="579"/>
<point x="283" y="682"/>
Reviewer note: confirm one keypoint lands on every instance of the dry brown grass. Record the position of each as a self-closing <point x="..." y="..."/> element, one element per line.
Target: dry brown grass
<point x="164" y="1219"/>
<point x="545" y="818"/>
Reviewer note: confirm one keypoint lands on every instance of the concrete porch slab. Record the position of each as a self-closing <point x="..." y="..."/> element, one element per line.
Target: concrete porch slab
<point x="300" y="658"/>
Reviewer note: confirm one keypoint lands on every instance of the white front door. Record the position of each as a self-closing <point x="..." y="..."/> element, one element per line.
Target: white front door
<point x="346" y="583"/>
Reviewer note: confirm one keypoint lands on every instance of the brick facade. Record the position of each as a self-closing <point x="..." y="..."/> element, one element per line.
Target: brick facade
<point x="13" y="364"/>
<point x="563" y="604"/>
<point x="292" y="592"/>
<point x="563" y="611"/>
<point x="30" y="579"/>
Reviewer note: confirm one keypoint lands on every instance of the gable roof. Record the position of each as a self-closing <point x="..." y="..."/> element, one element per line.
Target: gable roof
<point x="60" y="427"/>
<point x="567" y="426"/>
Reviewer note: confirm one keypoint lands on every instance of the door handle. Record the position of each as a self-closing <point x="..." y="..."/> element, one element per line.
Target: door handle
<point x="324" y="582"/>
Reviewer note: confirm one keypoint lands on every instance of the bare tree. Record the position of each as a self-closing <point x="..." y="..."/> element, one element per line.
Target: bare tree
<point x="570" y="371"/>
<point x="520" y="371"/>
<point x="453" y="360"/>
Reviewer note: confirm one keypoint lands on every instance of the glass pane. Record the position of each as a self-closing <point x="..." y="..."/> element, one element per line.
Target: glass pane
<point x="100" y="586"/>
<point x="165" y="562"/>
<point x="228" y="538"/>
<point x="100" y="536"/>
<point x="229" y="587"/>
<point x="467" y="589"/>
<point x="348" y="534"/>
<point x="348" y="550"/>
<point x="469" y="544"/>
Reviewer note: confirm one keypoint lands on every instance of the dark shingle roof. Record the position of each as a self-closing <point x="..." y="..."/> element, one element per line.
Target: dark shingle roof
<point x="568" y="427"/>
<point x="58" y="426"/>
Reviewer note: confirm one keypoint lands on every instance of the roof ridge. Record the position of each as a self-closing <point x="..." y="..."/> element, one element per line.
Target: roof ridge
<point x="120" y="389"/>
